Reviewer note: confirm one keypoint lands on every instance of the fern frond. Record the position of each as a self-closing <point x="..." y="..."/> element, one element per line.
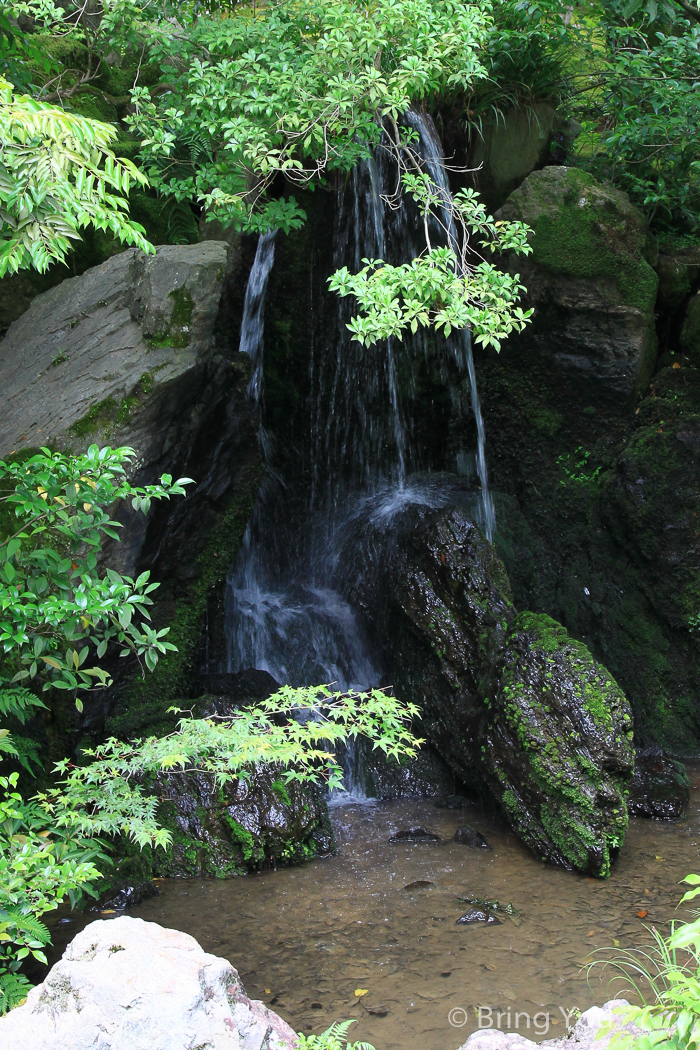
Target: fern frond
<point x="25" y="923"/>
<point x="17" y="702"/>
<point x="13" y="991"/>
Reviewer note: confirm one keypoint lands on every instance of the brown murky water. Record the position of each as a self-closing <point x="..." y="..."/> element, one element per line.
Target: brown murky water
<point x="304" y="939"/>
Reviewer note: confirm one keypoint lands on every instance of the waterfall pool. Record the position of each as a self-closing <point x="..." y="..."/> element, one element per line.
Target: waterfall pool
<point x="304" y="939"/>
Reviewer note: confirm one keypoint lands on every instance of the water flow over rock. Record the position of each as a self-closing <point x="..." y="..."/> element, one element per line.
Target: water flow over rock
<point x="285" y="611"/>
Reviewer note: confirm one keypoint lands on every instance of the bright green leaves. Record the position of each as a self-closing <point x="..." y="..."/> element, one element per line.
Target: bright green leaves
<point x="57" y="176"/>
<point x="104" y="796"/>
<point x="55" y="607"/>
<point x="299" y="88"/>
<point x="442" y="289"/>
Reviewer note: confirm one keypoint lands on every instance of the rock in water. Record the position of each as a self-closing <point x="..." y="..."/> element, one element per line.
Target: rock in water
<point x="415" y="835"/>
<point x="468" y="836"/>
<point x="133" y="984"/>
<point x="477" y="915"/>
<point x="659" y="788"/>
<point x="127" y="895"/>
<point x="506" y="699"/>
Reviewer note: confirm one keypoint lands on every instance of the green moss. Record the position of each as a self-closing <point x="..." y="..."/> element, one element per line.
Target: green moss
<point x="244" y="838"/>
<point x="98" y="417"/>
<point x="146" y="700"/>
<point x="586" y="241"/>
<point x="182" y="308"/>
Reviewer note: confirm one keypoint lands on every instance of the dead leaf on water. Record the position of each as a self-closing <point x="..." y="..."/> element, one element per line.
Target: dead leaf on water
<point x="359" y="992"/>
<point x="643" y="914"/>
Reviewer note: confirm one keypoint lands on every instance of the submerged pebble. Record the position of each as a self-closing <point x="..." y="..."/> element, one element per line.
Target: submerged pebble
<point x="420" y="884"/>
<point x="415" y="835"/>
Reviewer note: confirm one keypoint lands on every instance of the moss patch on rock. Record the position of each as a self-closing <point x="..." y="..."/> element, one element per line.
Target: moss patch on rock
<point x="585" y="229"/>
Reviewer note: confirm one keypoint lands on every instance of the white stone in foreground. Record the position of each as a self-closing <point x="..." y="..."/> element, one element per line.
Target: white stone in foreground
<point x="583" y="1037"/>
<point x="126" y="984"/>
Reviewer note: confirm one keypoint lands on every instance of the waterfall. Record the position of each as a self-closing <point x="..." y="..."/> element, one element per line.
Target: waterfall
<point x="253" y="323"/>
<point x="461" y="342"/>
<point x="377" y="422"/>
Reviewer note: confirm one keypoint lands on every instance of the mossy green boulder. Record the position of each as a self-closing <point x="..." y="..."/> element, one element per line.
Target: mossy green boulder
<point x="559" y="746"/>
<point x="511" y="702"/>
<point x="590" y="278"/>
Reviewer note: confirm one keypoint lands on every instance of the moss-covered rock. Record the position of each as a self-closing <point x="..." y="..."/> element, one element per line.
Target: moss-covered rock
<point x="251" y="823"/>
<point x="507" y="700"/>
<point x="558" y="747"/>
<point x="589" y="279"/>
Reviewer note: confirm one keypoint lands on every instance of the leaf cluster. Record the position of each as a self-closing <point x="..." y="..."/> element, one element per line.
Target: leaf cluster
<point x="296" y="729"/>
<point x="58" y="174"/>
<point x="57" y="611"/>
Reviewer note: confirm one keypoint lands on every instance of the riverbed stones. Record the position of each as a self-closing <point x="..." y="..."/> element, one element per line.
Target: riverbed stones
<point x="466" y="835"/>
<point x="415" y="835"/>
<point x="132" y="984"/>
<point x="477" y="916"/>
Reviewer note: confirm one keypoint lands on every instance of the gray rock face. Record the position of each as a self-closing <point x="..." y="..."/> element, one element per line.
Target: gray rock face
<point x="88" y="352"/>
<point x="510" y="148"/>
<point x="133" y="985"/>
<point x="589" y="280"/>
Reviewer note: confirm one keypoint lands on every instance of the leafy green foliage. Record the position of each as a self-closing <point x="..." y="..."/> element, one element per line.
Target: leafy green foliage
<point x="55" y="607"/>
<point x="650" y="143"/>
<point x="670" y="967"/>
<point x="446" y="287"/>
<point x="57" y="175"/>
<point x="334" y="1038"/>
<point x="300" y="88"/>
<point x="105" y="796"/>
<point x="39" y="867"/>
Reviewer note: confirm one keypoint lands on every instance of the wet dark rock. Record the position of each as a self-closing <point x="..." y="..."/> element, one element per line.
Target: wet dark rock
<point x="468" y="836"/>
<point x="659" y="788"/>
<point x="129" y="895"/>
<point x="420" y="884"/>
<point x="507" y="699"/>
<point x="477" y="915"/>
<point x="415" y="835"/>
<point x="423" y="776"/>
<point x="487" y="904"/>
<point x="245" y="825"/>
<point x="378" y="1010"/>
<point x="452" y="802"/>
<point x="238" y="688"/>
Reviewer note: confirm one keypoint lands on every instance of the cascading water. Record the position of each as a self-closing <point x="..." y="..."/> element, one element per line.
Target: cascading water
<point x="362" y="454"/>
<point x="461" y="342"/>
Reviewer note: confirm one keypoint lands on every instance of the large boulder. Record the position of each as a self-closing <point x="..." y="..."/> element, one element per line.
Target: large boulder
<point x="589" y="280"/>
<point x="86" y="355"/>
<point x="127" y="983"/>
<point x="505" y="698"/>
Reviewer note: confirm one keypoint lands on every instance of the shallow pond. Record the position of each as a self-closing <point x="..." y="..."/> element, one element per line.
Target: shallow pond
<point x="304" y="939"/>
